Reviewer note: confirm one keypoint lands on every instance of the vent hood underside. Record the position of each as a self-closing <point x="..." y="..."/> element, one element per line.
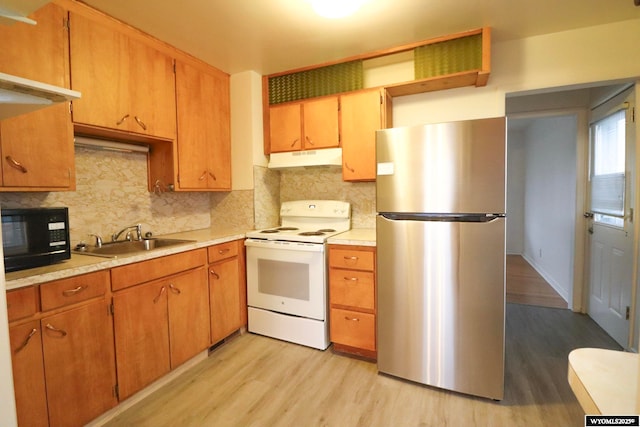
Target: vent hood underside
<point x="306" y="158"/>
<point x="19" y="96"/>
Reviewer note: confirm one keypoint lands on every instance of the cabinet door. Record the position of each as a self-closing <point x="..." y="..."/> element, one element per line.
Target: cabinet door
<point x="100" y="70"/>
<point x="285" y="127"/>
<point x="321" y="124"/>
<point x="37" y="148"/>
<point x="142" y="336"/>
<point x="38" y="52"/>
<point x="204" y="141"/>
<point x="28" y="374"/>
<point x="361" y="117"/>
<point x="151" y="91"/>
<point x="188" y="315"/>
<point x="224" y="291"/>
<point x="79" y="364"/>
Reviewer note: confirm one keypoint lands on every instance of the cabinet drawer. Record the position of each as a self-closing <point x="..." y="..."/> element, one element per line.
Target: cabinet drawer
<point x="352" y="288"/>
<point x="353" y="329"/>
<point x="21" y="303"/>
<point x="74" y="289"/>
<point x="145" y="271"/>
<point x="222" y="251"/>
<point x="351" y="258"/>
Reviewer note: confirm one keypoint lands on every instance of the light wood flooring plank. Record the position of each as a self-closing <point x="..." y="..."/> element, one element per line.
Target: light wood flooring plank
<point x="262" y="382"/>
<point x="526" y="286"/>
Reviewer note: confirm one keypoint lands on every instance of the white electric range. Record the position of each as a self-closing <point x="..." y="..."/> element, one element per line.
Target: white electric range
<point x="287" y="272"/>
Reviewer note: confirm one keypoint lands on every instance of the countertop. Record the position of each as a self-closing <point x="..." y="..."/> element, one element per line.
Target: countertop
<point x="355" y="237"/>
<point x="604" y="381"/>
<point x="81" y="264"/>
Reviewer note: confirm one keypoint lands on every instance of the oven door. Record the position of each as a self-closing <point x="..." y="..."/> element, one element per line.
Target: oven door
<point x="287" y="277"/>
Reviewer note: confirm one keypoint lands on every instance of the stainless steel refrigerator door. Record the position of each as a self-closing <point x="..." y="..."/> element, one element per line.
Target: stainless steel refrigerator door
<point x="447" y="167"/>
<point x="441" y="303"/>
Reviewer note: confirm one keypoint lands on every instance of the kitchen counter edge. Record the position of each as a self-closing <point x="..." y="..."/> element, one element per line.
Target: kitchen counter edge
<point x="355" y="237"/>
<point x="82" y="264"/>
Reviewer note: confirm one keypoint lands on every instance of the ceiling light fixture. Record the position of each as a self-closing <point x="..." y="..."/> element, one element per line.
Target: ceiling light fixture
<point x="336" y="9"/>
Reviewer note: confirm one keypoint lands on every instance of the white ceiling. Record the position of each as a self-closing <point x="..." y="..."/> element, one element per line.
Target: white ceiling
<point x="269" y="36"/>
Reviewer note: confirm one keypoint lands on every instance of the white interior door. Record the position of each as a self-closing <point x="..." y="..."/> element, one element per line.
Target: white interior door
<point x="612" y="177"/>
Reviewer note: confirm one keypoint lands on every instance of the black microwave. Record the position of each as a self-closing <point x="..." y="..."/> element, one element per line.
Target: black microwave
<point x="35" y="237"/>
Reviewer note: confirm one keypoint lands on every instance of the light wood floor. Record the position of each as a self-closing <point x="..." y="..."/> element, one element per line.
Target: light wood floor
<point x="258" y="381"/>
<point x="526" y="286"/>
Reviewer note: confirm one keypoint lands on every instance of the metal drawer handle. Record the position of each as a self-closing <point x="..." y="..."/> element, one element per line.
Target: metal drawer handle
<point x="174" y="289"/>
<point x="346" y="165"/>
<point x="60" y="332"/>
<point x="16" y="164"/>
<point x="351" y="258"/>
<point x="294" y="142"/>
<point x="157" y="298"/>
<point x="215" y="274"/>
<point x="26" y="341"/>
<point x="353" y="319"/>
<point x="351" y="279"/>
<point x="140" y="123"/>
<point x="72" y="292"/>
<point x="203" y="176"/>
<point x="121" y="121"/>
<point x="223" y="251"/>
<point x="213" y="176"/>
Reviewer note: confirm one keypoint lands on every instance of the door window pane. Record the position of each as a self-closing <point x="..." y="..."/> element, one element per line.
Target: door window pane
<point x="608" y="169"/>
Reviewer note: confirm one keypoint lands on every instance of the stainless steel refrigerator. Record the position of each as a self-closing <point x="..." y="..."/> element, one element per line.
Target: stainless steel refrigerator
<point x="440" y="228"/>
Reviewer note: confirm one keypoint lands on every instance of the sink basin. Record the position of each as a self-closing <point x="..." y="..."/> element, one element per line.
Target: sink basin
<point x="113" y="249"/>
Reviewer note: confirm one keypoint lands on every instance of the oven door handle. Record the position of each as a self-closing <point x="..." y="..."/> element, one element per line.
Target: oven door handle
<point x="285" y="246"/>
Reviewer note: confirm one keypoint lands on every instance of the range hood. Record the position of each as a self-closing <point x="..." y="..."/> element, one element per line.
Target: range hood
<point x="19" y="96"/>
<point x="307" y="158"/>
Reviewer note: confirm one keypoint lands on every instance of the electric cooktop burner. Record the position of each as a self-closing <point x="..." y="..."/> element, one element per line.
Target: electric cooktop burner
<point x="287" y="228"/>
<point x="311" y="233"/>
<point x="326" y="230"/>
<point x="269" y="231"/>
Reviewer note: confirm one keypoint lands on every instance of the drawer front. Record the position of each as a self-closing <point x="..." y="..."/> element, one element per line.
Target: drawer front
<point x="351" y="258"/>
<point x="353" y="329"/>
<point x="222" y="251"/>
<point x="145" y="271"/>
<point x="352" y="288"/>
<point x="22" y="303"/>
<point x="74" y="289"/>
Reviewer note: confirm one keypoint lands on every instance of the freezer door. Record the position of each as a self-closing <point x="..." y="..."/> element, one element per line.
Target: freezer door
<point x="441" y="303"/>
<point x="447" y="167"/>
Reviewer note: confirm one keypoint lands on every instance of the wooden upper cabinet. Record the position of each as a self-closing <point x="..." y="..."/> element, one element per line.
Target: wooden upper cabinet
<point x="362" y="114"/>
<point x="320" y="123"/>
<point x="204" y="137"/>
<point x="306" y="125"/>
<point x="37" y="147"/>
<point x="285" y="127"/>
<point x="125" y="84"/>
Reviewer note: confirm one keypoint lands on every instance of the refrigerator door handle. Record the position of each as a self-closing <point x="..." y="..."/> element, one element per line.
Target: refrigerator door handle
<point x="484" y="217"/>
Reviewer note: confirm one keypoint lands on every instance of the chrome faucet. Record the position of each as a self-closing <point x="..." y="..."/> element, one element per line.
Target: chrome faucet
<point x="98" y="239"/>
<point x="137" y="227"/>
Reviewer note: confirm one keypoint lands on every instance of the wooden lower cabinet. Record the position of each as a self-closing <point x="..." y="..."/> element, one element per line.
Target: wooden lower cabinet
<point x="352" y="298"/>
<point x="79" y="364"/>
<point x="158" y="326"/>
<point x="28" y="374"/>
<point x="226" y="289"/>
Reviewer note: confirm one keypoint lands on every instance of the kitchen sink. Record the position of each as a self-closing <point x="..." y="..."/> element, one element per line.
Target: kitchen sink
<point x="126" y="247"/>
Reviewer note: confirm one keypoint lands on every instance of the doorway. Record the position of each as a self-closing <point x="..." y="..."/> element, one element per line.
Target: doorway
<point x="531" y="117"/>
<point x="541" y="207"/>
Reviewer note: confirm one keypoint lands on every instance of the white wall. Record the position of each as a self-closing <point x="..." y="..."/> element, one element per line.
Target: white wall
<point x="246" y="128"/>
<point x="550" y="199"/>
<point x="516" y="174"/>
